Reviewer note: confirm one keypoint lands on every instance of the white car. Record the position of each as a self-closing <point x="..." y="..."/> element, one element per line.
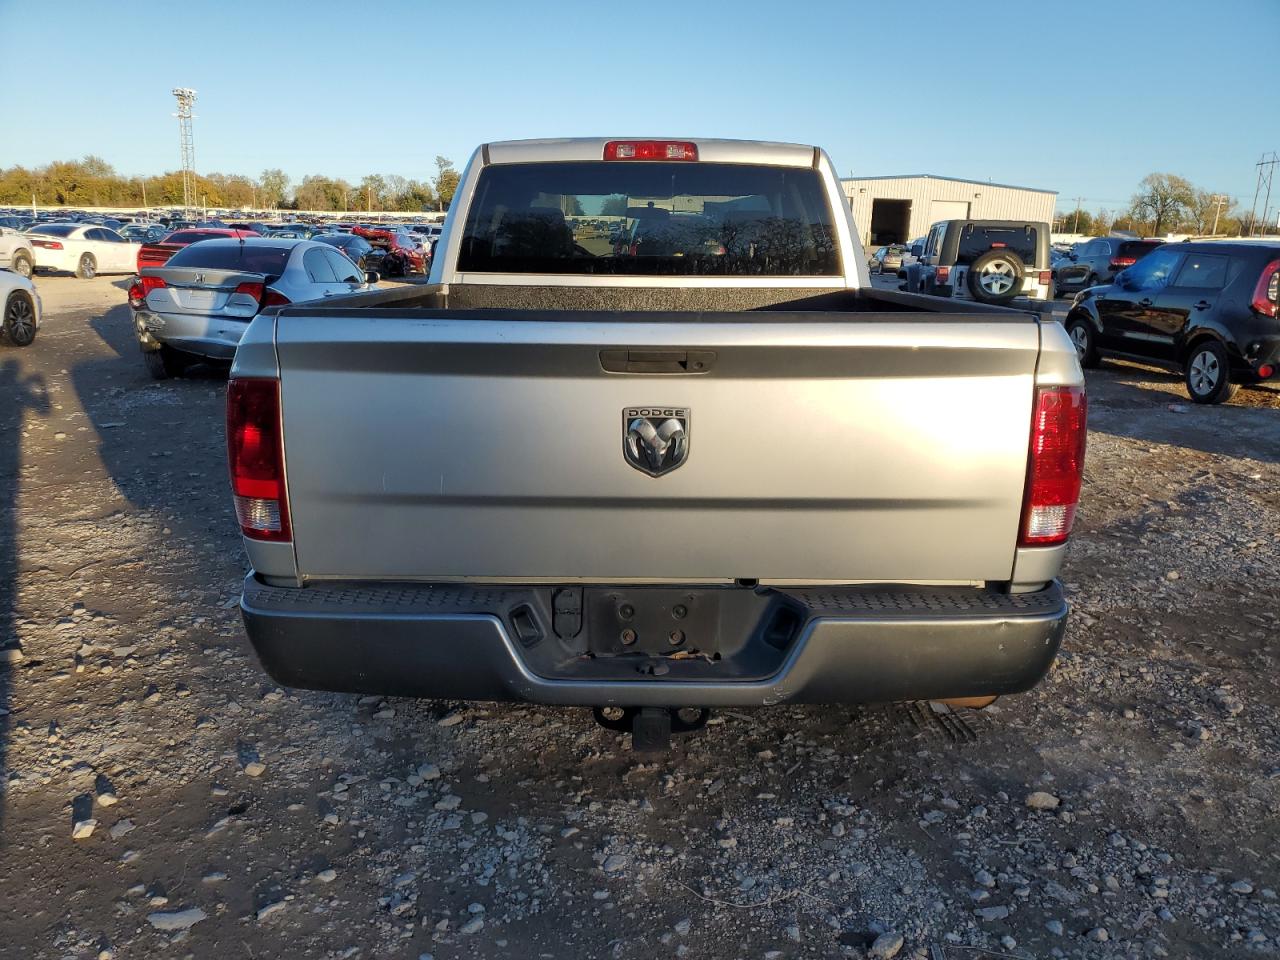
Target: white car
<point x="84" y="249"/>
<point x="22" y="309"/>
<point x="16" y="253"/>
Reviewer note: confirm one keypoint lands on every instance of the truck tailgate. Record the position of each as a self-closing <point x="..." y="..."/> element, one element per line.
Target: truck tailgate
<point x="817" y="449"/>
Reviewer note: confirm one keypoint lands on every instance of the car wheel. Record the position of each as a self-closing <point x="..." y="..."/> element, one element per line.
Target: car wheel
<point x="88" y="267"/>
<point x="1208" y="373"/>
<point x="995" y="277"/>
<point x="23" y="265"/>
<point x="1082" y="338"/>
<point x="165" y="362"/>
<point x="20" y="319"/>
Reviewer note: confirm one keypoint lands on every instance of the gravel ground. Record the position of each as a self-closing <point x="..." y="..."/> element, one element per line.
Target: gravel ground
<point x="161" y="797"/>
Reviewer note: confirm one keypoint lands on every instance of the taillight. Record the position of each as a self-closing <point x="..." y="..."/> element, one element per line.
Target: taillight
<point x="942" y="275"/>
<point x="255" y="454"/>
<point x="1119" y="263"/>
<point x="260" y="292"/>
<point x="152" y="283"/>
<point x="1266" y="294"/>
<point x="47" y="244"/>
<point x="1055" y="466"/>
<point x="650" y="150"/>
<point x="136" y="296"/>
<point x="1045" y="277"/>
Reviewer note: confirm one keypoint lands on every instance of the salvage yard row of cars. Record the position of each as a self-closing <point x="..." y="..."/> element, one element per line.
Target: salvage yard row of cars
<point x="91" y="246"/>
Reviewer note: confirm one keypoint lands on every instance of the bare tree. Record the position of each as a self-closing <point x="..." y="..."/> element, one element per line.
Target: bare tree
<point x="1162" y="200"/>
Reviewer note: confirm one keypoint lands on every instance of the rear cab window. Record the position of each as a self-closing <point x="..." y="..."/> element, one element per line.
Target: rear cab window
<point x="661" y="219"/>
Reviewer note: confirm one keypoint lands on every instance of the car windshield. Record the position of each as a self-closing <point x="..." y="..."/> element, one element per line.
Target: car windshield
<point x="249" y="257"/>
<point x="642" y="218"/>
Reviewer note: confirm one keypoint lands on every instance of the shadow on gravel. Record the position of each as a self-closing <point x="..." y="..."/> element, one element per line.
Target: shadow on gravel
<point x="157" y="440"/>
<point x="1121" y="405"/>
<point x="19" y="393"/>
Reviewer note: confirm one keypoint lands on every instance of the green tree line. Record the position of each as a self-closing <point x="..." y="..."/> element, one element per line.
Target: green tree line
<point x="92" y="182"/>
<point x="1163" y="203"/>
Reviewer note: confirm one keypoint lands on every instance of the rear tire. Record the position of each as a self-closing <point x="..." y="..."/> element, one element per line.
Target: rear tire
<point x="87" y="269"/>
<point x="165" y="362"/>
<point x="995" y="277"/>
<point x="1085" y="339"/>
<point x="19" y="319"/>
<point x="1207" y="373"/>
<point x="23" y="265"/>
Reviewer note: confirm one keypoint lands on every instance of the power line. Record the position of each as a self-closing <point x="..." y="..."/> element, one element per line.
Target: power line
<point x="1266" y="169"/>
<point x="186" y="100"/>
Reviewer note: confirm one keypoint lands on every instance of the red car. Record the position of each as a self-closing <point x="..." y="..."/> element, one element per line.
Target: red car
<point x="403" y="253"/>
<point x="157" y="254"/>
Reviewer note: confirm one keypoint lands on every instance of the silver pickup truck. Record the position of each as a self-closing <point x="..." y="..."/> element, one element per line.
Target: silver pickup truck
<point x="647" y="442"/>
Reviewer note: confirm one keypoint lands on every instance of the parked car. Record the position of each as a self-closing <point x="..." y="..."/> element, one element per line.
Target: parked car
<point x="1098" y="261"/>
<point x="490" y="487"/>
<point x="198" y="304"/>
<point x="143" y="232"/>
<point x="1209" y="310"/>
<point x="357" y="249"/>
<point x="993" y="261"/>
<point x="887" y="258"/>
<point x="83" y="249"/>
<point x="297" y="231"/>
<point x="16" y="253"/>
<point x="21" y="308"/>
<point x="157" y="253"/>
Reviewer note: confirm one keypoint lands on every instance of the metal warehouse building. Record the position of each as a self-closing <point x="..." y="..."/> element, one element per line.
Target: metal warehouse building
<point x="901" y="209"/>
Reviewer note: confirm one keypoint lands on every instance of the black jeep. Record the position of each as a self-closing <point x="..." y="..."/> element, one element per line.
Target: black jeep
<point x="993" y="261"/>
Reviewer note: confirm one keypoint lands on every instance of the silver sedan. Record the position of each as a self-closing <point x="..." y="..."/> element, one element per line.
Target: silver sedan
<point x="200" y="302"/>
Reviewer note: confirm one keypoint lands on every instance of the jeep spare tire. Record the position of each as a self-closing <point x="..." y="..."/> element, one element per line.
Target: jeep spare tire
<point x="996" y="276"/>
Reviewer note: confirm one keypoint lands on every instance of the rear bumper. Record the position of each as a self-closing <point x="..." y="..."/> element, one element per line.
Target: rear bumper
<point x="215" y="337"/>
<point x="835" y="645"/>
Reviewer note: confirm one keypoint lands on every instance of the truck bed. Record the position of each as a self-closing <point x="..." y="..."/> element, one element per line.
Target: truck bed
<point x="413" y="301"/>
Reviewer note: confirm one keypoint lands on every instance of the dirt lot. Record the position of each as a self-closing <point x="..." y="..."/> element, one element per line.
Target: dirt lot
<point x="230" y="818"/>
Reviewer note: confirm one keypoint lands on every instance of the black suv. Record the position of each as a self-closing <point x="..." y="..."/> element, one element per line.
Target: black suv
<point x="993" y="261"/>
<point x="1098" y="261"/>
<point x="1210" y="310"/>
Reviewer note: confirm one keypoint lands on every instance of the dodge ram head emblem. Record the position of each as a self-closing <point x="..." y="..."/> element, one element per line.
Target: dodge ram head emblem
<point x="655" y="440"/>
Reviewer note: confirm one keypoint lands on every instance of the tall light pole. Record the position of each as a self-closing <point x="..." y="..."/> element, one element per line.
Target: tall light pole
<point x="186" y="100"/>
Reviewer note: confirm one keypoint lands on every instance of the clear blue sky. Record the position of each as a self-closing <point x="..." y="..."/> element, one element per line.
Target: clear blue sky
<point x="918" y="86"/>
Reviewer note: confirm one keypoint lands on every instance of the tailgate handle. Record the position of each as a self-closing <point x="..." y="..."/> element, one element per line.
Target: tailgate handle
<point x="657" y="361"/>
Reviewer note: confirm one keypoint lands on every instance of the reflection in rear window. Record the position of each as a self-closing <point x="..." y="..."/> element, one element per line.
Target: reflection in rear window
<point x="647" y="219"/>
<point x="247" y="257"/>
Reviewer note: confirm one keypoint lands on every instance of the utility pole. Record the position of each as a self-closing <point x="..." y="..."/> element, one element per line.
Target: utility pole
<point x="1266" y="169"/>
<point x="1075" y="226"/>
<point x="1218" y="203"/>
<point x="186" y="100"/>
